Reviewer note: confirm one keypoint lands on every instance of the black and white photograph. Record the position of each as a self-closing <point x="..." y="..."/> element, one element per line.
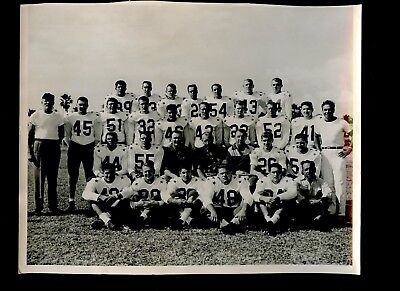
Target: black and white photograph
<point x="189" y="138"/>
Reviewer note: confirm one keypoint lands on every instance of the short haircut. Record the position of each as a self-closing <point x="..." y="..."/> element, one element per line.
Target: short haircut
<point x="172" y="85"/>
<point x="274" y="105"/>
<point x="144" y="98"/>
<point x="240" y="102"/>
<point x="149" y="164"/>
<point x="147" y="82"/>
<point x="268" y="134"/>
<point x="242" y="131"/>
<point x="192" y="85"/>
<point x="48" y="97"/>
<point x="307" y="103"/>
<point x="112" y="99"/>
<point x="83" y="99"/>
<point x="208" y="107"/>
<point x="108" y="166"/>
<point x="146" y="133"/>
<point x="312" y="164"/>
<point x="216" y="84"/>
<point x="178" y="132"/>
<point x="301" y="135"/>
<point x="224" y="165"/>
<point x="278" y="80"/>
<point x="328" y="102"/>
<point x="113" y="134"/>
<point x="186" y="166"/>
<point x="171" y="107"/>
<point x="276" y="165"/>
<point x="120" y="82"/>
<point x="249" y="80"/>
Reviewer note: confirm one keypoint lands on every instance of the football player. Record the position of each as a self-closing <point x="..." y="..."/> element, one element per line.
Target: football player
<point x="330" y="139"/>
<point x="170" y="98"/>
<point x="147" y="87"/>
<point x="191" y="105"/>
<point x="142" y="121"/>
<point x="276" y="198"/>
<point x="145" y="195"/>
<point x="182" y="196"/>
<point x="254" y="100"/>
<point x="165" y="127"/>
<point x="112" y="153"/>
<point x="283" y="99"/>
<point x="240" y="121"/>
<point x="220" y="106"/>
<point x="113" y="120"/>
<point x="295" y="154"/>
<point x="102" y="193"/>
<point x="279" y="125"/>
<point x="143" y="152"/>
<point x="82" y="133"/>
<point x="305" y="124"/>
<point x="227" y="199"/>
<point x="124" y="99"/>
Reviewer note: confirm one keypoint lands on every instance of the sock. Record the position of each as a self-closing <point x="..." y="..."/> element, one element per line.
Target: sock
<point x="223" y="223"/>
<point x="105" y="217"/>
<point x="188" y="220"/>
<point x="144" y="214"/>
<point x="235" y="220"/>
<point x="186" y="213"/>
<point x="275" y="218"/>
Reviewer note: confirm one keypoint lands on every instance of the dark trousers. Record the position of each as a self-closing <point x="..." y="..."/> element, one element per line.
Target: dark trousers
<point x="48" y="154"/>
<point x="78" y="154"/>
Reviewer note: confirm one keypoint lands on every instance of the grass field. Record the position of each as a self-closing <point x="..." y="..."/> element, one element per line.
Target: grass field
<point x="68" y="240"/>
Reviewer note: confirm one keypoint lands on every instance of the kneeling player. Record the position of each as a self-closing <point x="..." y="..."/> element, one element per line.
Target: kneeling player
<point x="182" y="196"/>
<point x="227" y="199"/>
<point x="103" y="193"/>
<point x="276" y="197"/>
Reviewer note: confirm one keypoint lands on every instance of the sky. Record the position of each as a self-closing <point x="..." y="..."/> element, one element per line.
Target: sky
<point x="82" y="49"/>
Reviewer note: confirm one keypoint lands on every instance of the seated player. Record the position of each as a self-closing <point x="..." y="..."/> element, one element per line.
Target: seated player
<point x="113" y="120"/>
<point x="143" y="152"/>
<point x="208" y="157"/>
<point x="191" y="104"/>
<point x="315" y="199"/>
<point x="227" y="200"/>
<point x="113" y="153"/>
<point x="123" y="98"/>
<point x="295" y="154"/>
<point x="276" y="197"/>
<point x="102" y="193"/>
<point x="182" y="196"/>
<point x="145" y="196"/>
<point x="239" y="155"/>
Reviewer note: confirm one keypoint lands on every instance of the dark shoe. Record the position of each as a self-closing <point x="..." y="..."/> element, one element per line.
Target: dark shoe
<point x="228" y="229"/>
<point x="112" y="226"/>
<point x="321" y="223"/>
<point x="177" y="224"/>
<point x="38" y="212"/>
<point x="71" y="207"/>
<point x="97" y="224"/>
<point x="270" y="228"/>
<point x="55" y="211"/>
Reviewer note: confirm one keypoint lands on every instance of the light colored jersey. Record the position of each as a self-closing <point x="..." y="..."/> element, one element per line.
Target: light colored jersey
<point x="304" y="126"/>
<point x="280" y="127"/>
<point x="247" y="123"/>
<point x="83" y="129"/>
<point x="294" y="159"/>
<point x="137" y="156"/>
<point x="114" y="122"/>
<point x="96" y="187"/>
<point x="141" y="122"/>
<point x="231" y="195"/>
<point x="284" y="103"/>
<point x="200" y="125"/>
<point x="162" y="105"/>
<point x="314" y="190"/>
<point x="165" y="128"/>
<point x="153" y="101"/>
<point x="262" y="160"/>
<point x="266" y="189"/>
<point x="178" y="189"/>
<point x="46" y="125"/>
<point x="124" y="103"/>
<point x="332" y="133"/>
<point x="220" y="107"/>
<point x="118" y="157"/>
<point x="147" y="191"/>
<point x="191" y="108"/>
<point x="255" y="103"/>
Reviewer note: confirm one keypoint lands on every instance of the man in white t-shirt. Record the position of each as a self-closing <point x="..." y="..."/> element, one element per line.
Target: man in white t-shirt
<point x="45" y="133"/>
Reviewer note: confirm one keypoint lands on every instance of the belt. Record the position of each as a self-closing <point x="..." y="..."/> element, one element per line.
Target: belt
<point x="331" y="148"/>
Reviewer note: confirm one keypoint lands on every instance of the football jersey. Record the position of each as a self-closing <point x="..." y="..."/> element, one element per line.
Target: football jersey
<point x="314" y="190"/>
<point x="191" y="108"/>
<point x="247" y="123"/>
<point x="118" y="157"/>
<point x="178" y="189"/>
<point x="153" y="100"/>
<point x="142" y="122"/>
<point x="137" y="156"/>
<point x="294" y="159"/>
<point x="200" y="125"/>
<point x="83" y="129"/>
<point x="97" y="186"/>
<point x="231" y="195"/>
<point x="220" y="107"/>
<point x="332" y="133"/>
<point x="114" y="122"/>
<point x="254" y="102"/>
<point x="124" y="103"/>
<point x="46" y="125"/>
<point x="162" y="105"/>
<point x="262" y="160"/>
<point x="280" y="127"/>
<point x="165" y="128"/>
<point x="147" y="191"/>
<point x="266" y="189"/>
<point x="304" y="126"/>
<point x="284" y="103"/>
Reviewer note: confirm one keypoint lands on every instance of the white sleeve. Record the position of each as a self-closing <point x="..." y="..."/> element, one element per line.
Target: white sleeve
<point x="245" y="192"/>
<point x="291" y="191"/>
<point x="171" y="188"/>
<point x="207" y="193"/>
<point x="89" y="193"/>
